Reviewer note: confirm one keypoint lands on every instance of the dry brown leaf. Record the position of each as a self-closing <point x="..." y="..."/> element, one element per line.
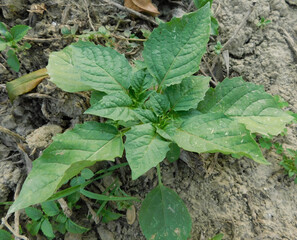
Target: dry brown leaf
<point x="145" y="6"/>
<point x="37" y="8"/>
<point x="131" y="215"/>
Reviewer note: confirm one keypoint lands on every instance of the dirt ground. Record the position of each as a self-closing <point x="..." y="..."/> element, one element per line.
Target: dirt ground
<point x="236" y="197"/>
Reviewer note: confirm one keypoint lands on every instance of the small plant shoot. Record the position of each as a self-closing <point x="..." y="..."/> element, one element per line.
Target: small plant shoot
<point x="157" y="107"/>
<point x="9" y="40"/>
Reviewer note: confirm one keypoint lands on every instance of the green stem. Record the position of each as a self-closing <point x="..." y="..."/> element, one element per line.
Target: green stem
<point x="159" y="175"/>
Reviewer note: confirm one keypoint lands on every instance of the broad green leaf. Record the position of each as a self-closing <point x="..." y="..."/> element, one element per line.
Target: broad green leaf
<point x="174" y="153"/>
<point x="201" y="3"/>
<point x="50" y="208"/>
<point x="25" y="83"/>
<point x="248" y="104"/>
<point x="33" y="213"/>
<point x="69" y="153"/>
<point x="3" y="45"/>
<point x="174" y="49"/>
<point x="158" y="103"/>
<point x="3" y="29"/>
<point x="117" y="106"/>
<point x="188" y="93"/>
<point x="4" y="235"/>
<point x="142" y="80"/>
<point x="47" y="229"/>
<point x="144" y="149"/>
<point x="86" y="66"/>
<point x="19" y="31"/>
<point x="164" y="216"/>
<point x="96" y="97"/>
<point x="33" y="227"/>
<point x="75" y="228"/>
<point x="214" y="132"/>
<point x="12" y="60"/>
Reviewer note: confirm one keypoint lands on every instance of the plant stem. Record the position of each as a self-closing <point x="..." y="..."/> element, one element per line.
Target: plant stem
<point x="159" y="175"/>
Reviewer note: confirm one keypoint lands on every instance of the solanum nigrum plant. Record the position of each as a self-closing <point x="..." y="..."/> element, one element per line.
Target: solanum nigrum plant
<point x="159" y="106"/>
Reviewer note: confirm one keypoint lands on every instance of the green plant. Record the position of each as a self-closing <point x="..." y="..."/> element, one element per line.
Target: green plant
<point x="9" y="40"/>
<point x="218" y="47"/>
<point x="159" y="107"/>
<point x="218" y="237"/>
<point x="263" y="22"/>
<point x="49" y="220"/>
<point x="4" y="235"/>
<point x="214" y="26"/>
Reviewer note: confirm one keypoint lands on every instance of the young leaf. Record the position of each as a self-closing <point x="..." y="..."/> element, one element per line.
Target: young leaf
<point x="158" y="103"/>
<point x="164" y="216"/>
<point x="188" y="93"/>
<point x="33" y="227"/>
<point x="174" y="50"/>
<point x="214" y="132"/>
<point x="12" y="60"/>
<point x="117" y="106"/>
<point x="19" y="31"/>
<point x="74" y="228"/>
<point x="3" y="45"/>
<point x="5" y="235"/>
<point x="3" y="29"/>
<point x="144" y="149"/>
<point x="33" y="213"/>
<point x="87" y="173"/>
<point x="201" y="3"/>
<point x="47" y="229"/>
<point x="248" y="104"/>
<point x="50" y="208"/>
<point x="142" y="80"/>
<point x="69" y="153"/>
<point x="85" y="66"/>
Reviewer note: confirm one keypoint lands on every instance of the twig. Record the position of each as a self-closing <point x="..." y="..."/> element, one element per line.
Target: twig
<point x="41" y="39"/>
<point x="190" y="6"/>
<point x="290" y="41"/>
<point x="15" y="135"/>
<point x="28" y="161"/>
<point x="6" y="224"/>
<point x="129" y="39"/>
<point x="93" y="213"/>
<point x="142" y="16"/>
<point x="211" y="81"/>
<point x="241" y="25"/>
<point x="17" y="213"/>
<point x="88" y="14"/>
<point x="67" y="211"/>
<point x="210" y="70"/>
<point x="10" y="157"/>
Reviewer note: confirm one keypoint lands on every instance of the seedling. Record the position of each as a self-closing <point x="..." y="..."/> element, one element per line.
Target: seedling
<point x="263" y="22"/>
<point x="9" y="40"/>
<point x="49" y="220"/>
<point x="218" y="48"/>
<point x="157" y="105"/>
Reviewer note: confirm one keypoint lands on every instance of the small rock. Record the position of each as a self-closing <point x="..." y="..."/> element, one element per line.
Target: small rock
<point x="105" y="234"/>
<point x="42" y="136"/>
<point x="9" y="122"/>
<point x="72" y="236"/>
